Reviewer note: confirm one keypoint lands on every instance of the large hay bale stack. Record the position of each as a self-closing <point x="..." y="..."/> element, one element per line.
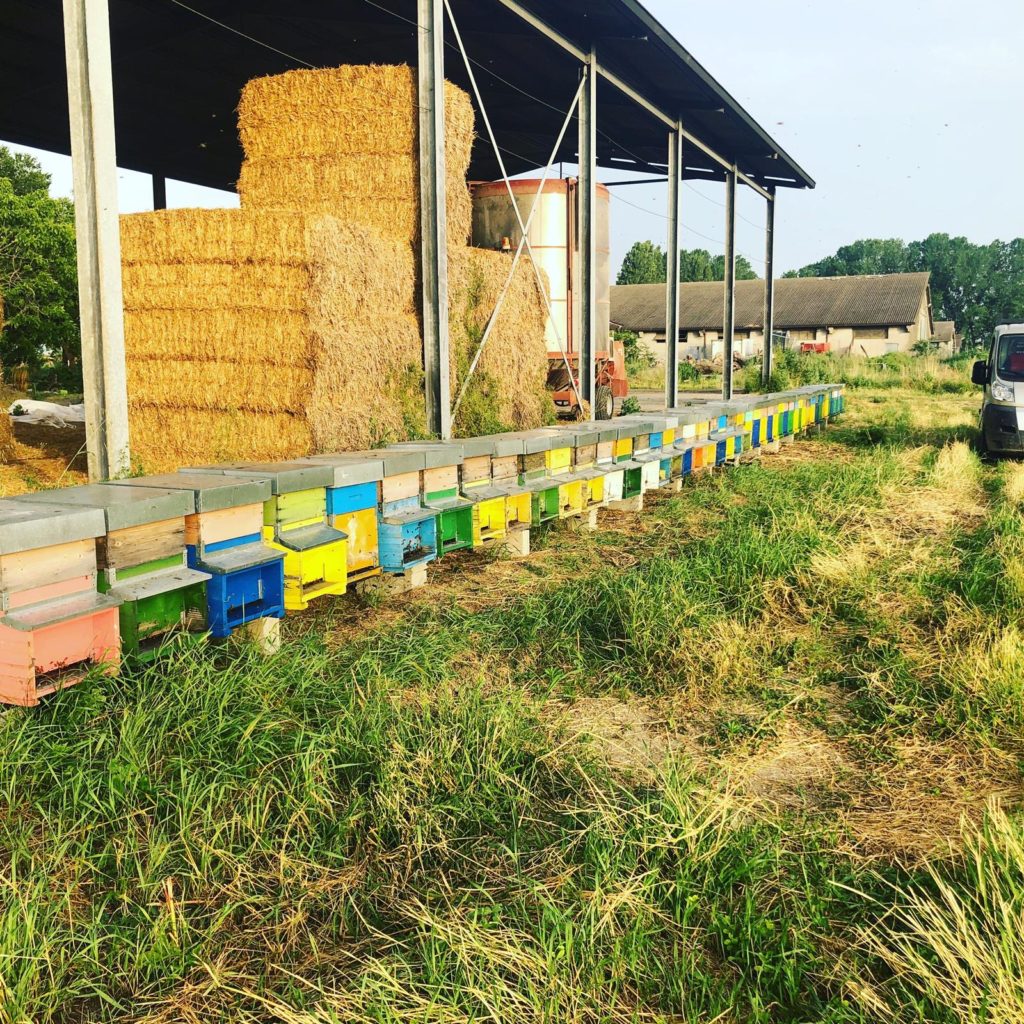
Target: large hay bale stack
<point x="344" y="141"/>
<point x="270" y="353"/>
<point x="291" y="326"/>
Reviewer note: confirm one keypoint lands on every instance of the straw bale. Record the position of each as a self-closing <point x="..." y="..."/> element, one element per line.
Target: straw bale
<point x="164" y="439"/>
<point x="7" y="449"/>
<point x="216" y="236"/>
<point x="344" y="141"/>
<point x="357" y="109"/>
<point x="218" y="386"/>
<point x="215" y="285"/>
<point x="373" y="390"/>
<point x="258" y="336"/>
<point x="512" y="372"/>
<point x="387" y="202"/>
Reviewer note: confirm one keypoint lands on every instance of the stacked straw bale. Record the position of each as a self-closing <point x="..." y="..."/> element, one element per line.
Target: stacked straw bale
<point x="256" y="355"/>
<point x="291" y="326"/>
<point x="358" y="157"/>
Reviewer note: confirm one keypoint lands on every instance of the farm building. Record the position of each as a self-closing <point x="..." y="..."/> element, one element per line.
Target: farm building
<point x="946" y="338"/>
<point x="868" y="315"/>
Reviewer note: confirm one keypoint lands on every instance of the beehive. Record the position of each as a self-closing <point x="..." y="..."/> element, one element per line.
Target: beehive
<point x="439" y="490"/>
<point x="54" y="625"/>
<point x="141" y="560"/>
<point x="352" y="501"/>
<point x="223" y="537"/>
<point x="408" y="531"/>
<point x="295" y="523"/>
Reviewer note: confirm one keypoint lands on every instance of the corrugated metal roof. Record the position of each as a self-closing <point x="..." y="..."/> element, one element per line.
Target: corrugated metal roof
<point x="179" y="68"/>
<point x="881" y="300"/>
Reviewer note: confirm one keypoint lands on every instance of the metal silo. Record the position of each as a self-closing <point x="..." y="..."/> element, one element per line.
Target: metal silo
<point x="553" y="239"/>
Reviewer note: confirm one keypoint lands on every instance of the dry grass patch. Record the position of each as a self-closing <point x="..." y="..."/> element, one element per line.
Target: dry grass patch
<point x="911" y="809"/>
<point x="801" y="768"/>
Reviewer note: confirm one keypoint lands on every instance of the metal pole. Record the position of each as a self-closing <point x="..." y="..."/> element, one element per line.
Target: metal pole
<point x="675" y="173"/>
<point x="97" y="229"/>
<point x="587" y="198"/>
<point x="729" y="320"/>
<point x="769" y="289"/>
<point x="433" y="217"/>
<point x="159" y="192"/>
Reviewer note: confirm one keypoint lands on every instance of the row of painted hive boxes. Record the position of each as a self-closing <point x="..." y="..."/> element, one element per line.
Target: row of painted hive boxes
<point x="93" y="572"/>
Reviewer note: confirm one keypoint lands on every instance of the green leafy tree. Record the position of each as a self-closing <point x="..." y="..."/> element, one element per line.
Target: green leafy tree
<point x="38" y="279"/>
<point x="643" y="264"/>
<point x="23" y="171"/>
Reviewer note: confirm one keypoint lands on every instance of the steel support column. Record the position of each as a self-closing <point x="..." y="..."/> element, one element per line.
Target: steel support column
<point x="769" y="288"/>
<point x="159" y="192"/>
<point x="587" y="219"/>
<point x="433" y="217"/>
<point x="729" y="319"/>
<point x="675" y="176"/>
<point x="94" y="169"/>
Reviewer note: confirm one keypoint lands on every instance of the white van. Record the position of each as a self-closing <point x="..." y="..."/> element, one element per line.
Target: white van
<point x="1002" y="376"/>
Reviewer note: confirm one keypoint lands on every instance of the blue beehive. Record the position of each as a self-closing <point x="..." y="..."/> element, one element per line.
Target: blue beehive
<point x="407" y="530"/>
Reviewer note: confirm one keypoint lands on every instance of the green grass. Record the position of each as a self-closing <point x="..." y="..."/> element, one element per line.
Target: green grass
<point x="726" y="762"/>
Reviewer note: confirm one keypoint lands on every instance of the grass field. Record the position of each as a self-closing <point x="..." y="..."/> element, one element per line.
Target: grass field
<point x="755" y="756"/>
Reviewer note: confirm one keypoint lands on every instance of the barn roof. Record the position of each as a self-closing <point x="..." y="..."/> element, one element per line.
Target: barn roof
<point x="879" y="300"/>
<point x="179" y="67"/>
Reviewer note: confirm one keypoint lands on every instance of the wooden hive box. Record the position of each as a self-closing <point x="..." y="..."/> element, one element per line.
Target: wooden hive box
<point x="506" y="454"/>
<point x="352" y="507"/>
<point x="408" y="531"/>
<point x="295" y="523"/>
<point x="142" y="562"/>
<point x="54" y="625"/>
<point x="439" y="487"/>
<point x="490" y="500"/>
<point x="224" y="537"/>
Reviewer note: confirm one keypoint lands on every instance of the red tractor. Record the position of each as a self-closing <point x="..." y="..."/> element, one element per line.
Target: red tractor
<point x="610" y="382"/>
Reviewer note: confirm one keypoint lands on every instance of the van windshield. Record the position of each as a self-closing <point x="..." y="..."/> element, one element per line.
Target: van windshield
<point x="1010" y="357"/>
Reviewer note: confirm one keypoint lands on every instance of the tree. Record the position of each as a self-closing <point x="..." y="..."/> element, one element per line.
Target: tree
<point x="38" y="279"/>
<point x="24" y="172"/>
<point x="643" y="264"/>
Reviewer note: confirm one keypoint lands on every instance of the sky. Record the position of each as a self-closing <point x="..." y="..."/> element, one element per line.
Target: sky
<point x="908" y="115"/>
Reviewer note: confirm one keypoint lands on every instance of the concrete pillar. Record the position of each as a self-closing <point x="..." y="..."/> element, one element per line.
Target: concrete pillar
<point x="729" y="319"/>
<point x="433" y="217"/>
<point x="97" y="230"/>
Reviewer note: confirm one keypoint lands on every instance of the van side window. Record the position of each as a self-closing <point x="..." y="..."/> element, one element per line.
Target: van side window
<point x="1010" y="357"/>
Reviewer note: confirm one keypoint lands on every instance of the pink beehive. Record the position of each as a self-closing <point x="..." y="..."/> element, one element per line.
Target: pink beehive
<point x="54" y="626"/>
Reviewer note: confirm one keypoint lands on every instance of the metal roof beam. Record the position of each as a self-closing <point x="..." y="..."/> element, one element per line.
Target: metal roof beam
<point x="583" y="57"/>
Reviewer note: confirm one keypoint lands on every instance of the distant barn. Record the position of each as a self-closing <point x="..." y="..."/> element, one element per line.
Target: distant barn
<point x="868" y="315"/>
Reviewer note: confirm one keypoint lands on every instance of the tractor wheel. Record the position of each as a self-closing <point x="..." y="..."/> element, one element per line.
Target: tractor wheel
<point x="604" y="403"/>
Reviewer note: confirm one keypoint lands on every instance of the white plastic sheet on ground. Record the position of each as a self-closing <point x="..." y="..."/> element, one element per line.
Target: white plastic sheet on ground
<point x="47" y="413"/>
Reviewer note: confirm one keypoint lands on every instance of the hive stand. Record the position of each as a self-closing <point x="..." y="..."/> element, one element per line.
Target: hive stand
<point x="54" y="626"/>
<point x="439" y="489"/>
<point x="352" y="503"/>
<point x="295" y="524"/>
<point x="141" y="560"/>
<point x="407" y="530"/>
<point x="224" y="537"/>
